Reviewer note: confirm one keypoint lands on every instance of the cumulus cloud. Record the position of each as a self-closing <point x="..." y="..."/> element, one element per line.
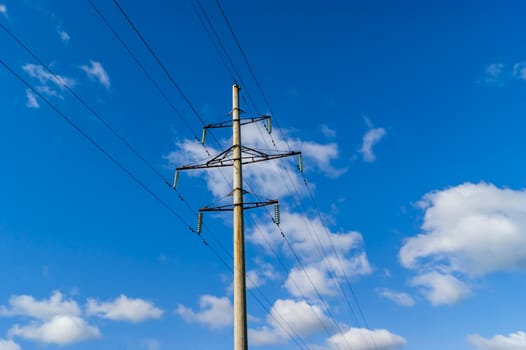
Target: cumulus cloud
<point x="3" y="10"/>
<point x="124" y="309"/>
<point x="26" y="305"/>
<point x="469" y="231"/>
<point x="214" y="312"/>
<point x="31" y="100"/>
<point x="96" y="71"/>
<point x="366" y="339"/>
<point x="328" y="257"/>
<point x="513" y="341"/>
<point x="260" y="275"/>
<point x="369" y="140"/>
<point x="60" y="329"/>
<point x="290" y="316"/>
<point x="399" y="298"/>
<point x="9" y="345"/>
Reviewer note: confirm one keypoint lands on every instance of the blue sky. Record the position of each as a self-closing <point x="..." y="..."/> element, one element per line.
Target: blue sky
<point x="409" y="116"/>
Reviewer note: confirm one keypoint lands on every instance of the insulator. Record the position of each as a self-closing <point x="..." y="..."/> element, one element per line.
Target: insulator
<point x="176" y="178"/>
<point x="269" y="125"/>
<point x="300" y="163"/>
<point x="199" y="222"/>
<point x="276" y="214"/>
<point x="203" y="136"/>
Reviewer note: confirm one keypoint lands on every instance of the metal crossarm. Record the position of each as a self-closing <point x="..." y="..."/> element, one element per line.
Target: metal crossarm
<point x="248" y="156"/>
<point x="242" y="121"/>
<point x="246" y="205"/>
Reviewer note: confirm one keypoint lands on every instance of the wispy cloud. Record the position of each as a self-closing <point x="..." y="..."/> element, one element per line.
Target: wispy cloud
<point x="369" y="140"/>
<point x="513" y="341"/>
<point x="96" y="71"/>
<point x="49" y="84"/>
<point x="31" y="100"/>
<point x="3" y="10"/>
<point x="493" y="74"/>
<point x="63" y="35"/>
<point x="327" y="132"/>
<point x="399" y="298"/>
<point x="519" y="70"/>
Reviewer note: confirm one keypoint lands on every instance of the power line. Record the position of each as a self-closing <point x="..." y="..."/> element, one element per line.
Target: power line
<point x="277" y="123"/>
<point x="135" y="179"/>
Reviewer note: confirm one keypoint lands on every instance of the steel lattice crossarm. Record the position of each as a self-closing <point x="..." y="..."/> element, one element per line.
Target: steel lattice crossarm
<point x="248" y="156"/>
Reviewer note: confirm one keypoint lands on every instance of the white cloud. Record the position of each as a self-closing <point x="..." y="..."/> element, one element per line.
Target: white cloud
<point x="9" y="345"/>
<point x="151" y="344"/>
<point x="318" y="247"/>
<point x="96" y="71"/>
<point x="26" y="305"/>
<point x="260" y="275"/>
<point x="44" y="77"/>
<point x="370" y="139"/>
<point x="60" y="329"/>
<point x="31" y="100"/>
<point x="214" y="312"/>
<point x="441" y="288"/>
<point x="469" y="231"/>
<point x="124" y="309"/>
<point x="3" y="9"/>
<point x="519" y="70"/>
<point x="295" y="317"/>
<point x="327" y="131"/>
<point x="365" y="339"/>
<point x="63" y="35"/>
<point x="399" y="298"/>
<point x="493" y="73"/>
<point x="270" y="179"/>
<point x="513" y="341"/>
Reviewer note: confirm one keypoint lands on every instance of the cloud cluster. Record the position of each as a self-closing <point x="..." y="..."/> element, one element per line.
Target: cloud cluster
<point x="469" y="231"/>
<point x="499" y="73"/>
<point x="60" y="321"/>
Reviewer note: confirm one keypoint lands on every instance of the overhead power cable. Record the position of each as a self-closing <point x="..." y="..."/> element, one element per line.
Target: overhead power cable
<point x="258" y="84"/>
<point x="135" y="179"/>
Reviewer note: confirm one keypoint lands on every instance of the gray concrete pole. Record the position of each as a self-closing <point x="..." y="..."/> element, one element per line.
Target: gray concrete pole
<point x="240" y="305"/>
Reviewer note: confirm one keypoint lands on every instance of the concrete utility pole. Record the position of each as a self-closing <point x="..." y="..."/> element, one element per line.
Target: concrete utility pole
<point x="235" y="156"/>
<point x="240" y="295"/>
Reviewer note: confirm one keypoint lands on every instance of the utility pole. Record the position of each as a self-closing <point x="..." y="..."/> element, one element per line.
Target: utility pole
<point x="236" y="156"/>
<point x="240" y="295"/>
